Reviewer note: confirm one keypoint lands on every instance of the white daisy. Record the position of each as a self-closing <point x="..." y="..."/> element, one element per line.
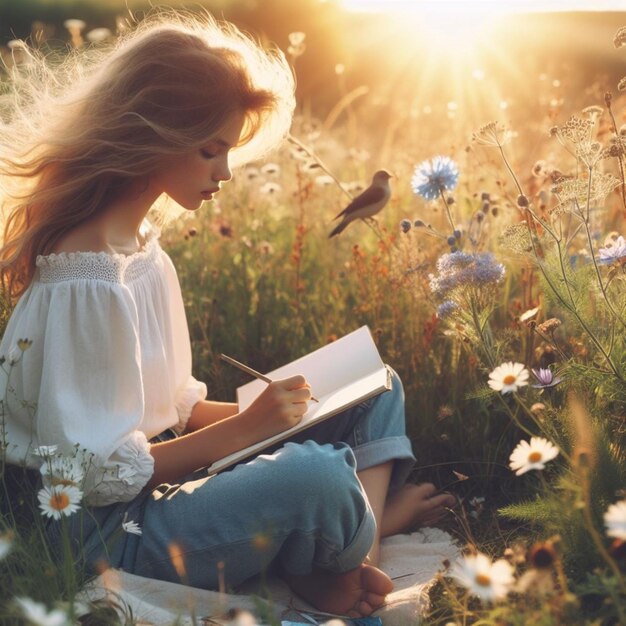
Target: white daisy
<point x="615" y="520"/>
<point x="487" y="580"/>
<point x="63" y="470"/>
<point x="532" y="456"/>
<point x="271" y="169"/>
<point x="508" y="377"/>
<point x="270" y="188"/>
<point x="37" y="613"/>
<point x="6" y="543"/>
<point x="59" y="500"/>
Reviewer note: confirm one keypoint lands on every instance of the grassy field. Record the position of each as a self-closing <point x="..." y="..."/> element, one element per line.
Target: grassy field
<point x="519" y="258"/>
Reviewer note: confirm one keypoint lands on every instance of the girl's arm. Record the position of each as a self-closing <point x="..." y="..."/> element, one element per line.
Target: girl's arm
<point x="207" y="412"/>
<point x="280" y="406"/>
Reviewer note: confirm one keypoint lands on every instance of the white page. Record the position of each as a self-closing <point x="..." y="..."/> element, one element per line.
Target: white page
<point x="327" y="369"/>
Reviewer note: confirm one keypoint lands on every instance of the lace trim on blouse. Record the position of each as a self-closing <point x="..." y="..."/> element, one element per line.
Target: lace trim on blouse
<point x="112" y="267"/>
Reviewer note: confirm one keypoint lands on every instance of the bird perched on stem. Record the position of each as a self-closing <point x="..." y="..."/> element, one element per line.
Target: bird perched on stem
<point x="367" y="203"/>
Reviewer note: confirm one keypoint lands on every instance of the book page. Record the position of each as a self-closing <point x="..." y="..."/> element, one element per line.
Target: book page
<point x="332" y="367"/>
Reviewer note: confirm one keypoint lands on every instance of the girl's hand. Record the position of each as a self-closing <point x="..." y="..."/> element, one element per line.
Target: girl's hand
<point x="280" y="406"/>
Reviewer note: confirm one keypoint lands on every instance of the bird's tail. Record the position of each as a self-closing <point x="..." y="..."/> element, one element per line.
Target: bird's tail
<point x="339" y="228"/>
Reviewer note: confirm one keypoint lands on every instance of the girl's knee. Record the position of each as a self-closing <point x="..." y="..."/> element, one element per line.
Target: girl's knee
<point x="328" y="470"/>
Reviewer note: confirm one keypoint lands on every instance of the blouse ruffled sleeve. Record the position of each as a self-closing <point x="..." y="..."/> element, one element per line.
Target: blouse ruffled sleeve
<point x="90" y="397"/>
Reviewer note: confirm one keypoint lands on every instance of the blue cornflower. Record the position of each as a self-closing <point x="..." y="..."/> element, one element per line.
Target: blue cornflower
<point x="431" y="178"/>
<point x="458" y="270"/>
<point x="446" y="308"/>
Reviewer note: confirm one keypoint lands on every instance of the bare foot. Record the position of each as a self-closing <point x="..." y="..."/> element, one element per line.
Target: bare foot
<point x="356" y="593"/>
<point x="414" y="505"/>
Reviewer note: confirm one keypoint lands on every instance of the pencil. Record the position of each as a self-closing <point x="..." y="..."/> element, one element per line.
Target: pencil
<point x="249" y="370"/>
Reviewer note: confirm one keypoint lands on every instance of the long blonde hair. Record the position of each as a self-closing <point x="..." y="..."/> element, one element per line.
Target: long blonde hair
<point x="77" y="134"/>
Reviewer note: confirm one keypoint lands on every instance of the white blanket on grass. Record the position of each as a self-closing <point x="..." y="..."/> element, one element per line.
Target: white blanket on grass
<point x="412" y="561"/>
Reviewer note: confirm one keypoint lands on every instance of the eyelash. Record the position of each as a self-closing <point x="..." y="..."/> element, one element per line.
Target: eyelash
<point x="206" y="154"/>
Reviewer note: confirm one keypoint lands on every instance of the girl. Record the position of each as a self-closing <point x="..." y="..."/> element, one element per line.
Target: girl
<point x="107" y="369"/>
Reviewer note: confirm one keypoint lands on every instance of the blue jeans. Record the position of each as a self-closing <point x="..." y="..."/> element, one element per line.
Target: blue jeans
<point x="298" y="506"/>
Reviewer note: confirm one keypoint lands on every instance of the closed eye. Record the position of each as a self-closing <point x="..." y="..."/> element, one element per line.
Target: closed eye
<point x="206" y="154"/>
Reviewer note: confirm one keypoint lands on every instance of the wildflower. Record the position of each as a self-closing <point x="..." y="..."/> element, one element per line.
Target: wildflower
<point x="62" y="470"/>
<point x="508" y="377"/>
<point x="270" y="188"/>
<point x="614" y="251"/>
<point x="542" y="555"/>
<point x="461" y="269"/>
<point x="252" y="173"/>
<point x="432" y="178"/>
<point x="615" y="520"/>
<point x="131" y="527"/>
<point x="549" y="326"/>
<point x="324" y="180"/>
<point x="492" y="134"/>
<point x="37" y="613"/>
<point x="620" y="37"/>
<point x="545" y="378"/>
<point x="58" y="500"/>
<point x="6" y="543"/>
<point x="74" y="25"/>
<point x="45" y="451"/>
<point x="532" y="456"/>
<point x="405" y="225"/>
<point x="529" y="314"/>
<point x="594" y="111"/>
<point x="296" y="44"/>
<point x="446" y="308"/>
<point x="537" y="408"/>
<point x="24" y="344"/>
<point x="487" y="580"/>
<point x="477" y="506"/>
<point x="98" y="35"/>
<point x="271" y="169"/>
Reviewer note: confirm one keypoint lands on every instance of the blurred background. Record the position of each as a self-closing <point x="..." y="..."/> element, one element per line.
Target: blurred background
<point x="468" y="61"/>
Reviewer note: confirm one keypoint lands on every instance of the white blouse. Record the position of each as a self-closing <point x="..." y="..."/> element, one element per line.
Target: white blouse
<point x="109" y="366"/>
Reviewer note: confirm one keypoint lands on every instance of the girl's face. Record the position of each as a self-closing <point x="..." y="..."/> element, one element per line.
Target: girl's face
<point x="194" y="177"/>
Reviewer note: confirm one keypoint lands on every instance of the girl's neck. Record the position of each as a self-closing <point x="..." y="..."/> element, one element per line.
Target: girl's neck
<point x="116" y="228"/>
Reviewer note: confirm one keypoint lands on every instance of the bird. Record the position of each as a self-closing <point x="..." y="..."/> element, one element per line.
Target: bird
<point x="367" y="203"/>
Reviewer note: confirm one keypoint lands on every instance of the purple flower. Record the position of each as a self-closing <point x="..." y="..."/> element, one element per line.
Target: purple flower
<point x="613" y="252"/>
<point x="545" y="378"/>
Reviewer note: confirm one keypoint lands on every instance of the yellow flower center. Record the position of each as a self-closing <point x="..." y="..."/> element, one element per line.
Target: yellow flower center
<point x="509" y="379"/>
<point x="59" y="501"/>
<point x="483" y="580"/>
<point x="533" y="457"/>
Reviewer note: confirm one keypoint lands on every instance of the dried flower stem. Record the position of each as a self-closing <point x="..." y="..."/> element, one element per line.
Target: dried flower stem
<point x="619" y="156"/>
<point x="323" y="167"/>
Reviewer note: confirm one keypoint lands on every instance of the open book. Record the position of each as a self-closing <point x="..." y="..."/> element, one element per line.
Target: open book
<point x="342" y="374"/>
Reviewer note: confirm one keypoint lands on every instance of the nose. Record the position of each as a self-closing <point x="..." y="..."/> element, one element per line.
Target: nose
<point x="222" y="172"/>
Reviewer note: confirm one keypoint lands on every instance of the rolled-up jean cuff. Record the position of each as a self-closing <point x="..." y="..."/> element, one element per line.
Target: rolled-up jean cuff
<point x="380" y="451"/>
<point x="354" y="554"/>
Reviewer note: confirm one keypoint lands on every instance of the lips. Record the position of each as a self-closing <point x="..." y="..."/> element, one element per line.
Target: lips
<point x="207" y="193"/>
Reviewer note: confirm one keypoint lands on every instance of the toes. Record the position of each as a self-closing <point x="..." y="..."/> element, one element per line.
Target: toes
<point x="373" y="599"/>
<point x="426" y="490"/>
<point x="375" y="581"/>
<point x="364" y="608"/>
